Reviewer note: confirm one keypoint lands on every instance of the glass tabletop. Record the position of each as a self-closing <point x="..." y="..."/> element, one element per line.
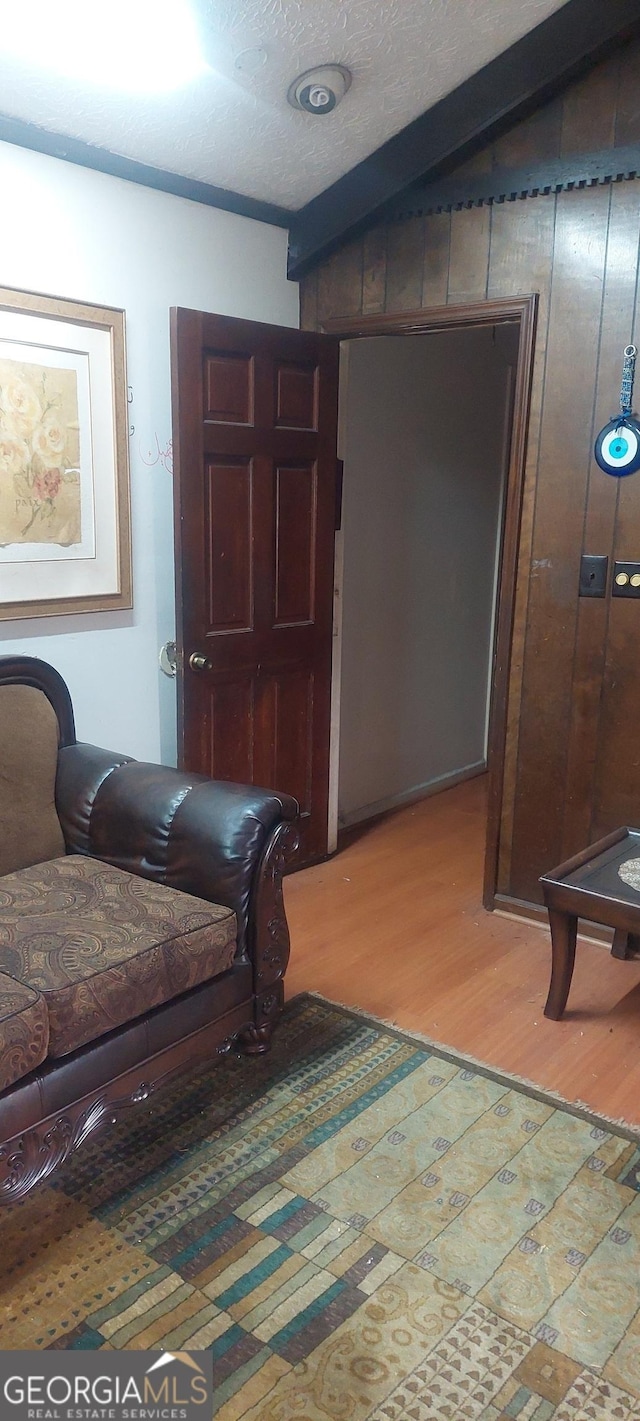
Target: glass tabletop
<point x="613" y="873"/>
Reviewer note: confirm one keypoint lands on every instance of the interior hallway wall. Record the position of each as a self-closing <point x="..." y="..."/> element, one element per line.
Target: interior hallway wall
<point x="423" y="452"/>
<point x="571" y="766"/>
<point x="67" y="231"/>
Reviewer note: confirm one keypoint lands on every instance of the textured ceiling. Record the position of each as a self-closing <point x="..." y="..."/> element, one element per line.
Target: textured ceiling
<point x="237" y="130"/>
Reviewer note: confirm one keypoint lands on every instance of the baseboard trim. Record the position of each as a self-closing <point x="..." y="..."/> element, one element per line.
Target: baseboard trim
<point x="409" y="796"/>
<point x="536" y="916"/>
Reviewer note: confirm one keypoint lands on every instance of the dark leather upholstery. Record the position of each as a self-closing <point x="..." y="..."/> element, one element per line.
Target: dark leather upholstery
<point x="56" y="1084"/>
<point x="205" y="837"/>
<point x="82" y="769"/>
<point x="225" y="843"/>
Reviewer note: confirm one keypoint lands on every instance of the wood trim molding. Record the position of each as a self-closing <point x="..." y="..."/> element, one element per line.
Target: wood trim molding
<point x="567" y="44"/>
<point x="87" y="155"/>
<point x="472" y="313"/>
<point x="537" y="916"/>
<point x="507" y="590"/>
<point x="483" y="313"/>
<point x="579" y="170"/>
<point x="31" y="1156"/>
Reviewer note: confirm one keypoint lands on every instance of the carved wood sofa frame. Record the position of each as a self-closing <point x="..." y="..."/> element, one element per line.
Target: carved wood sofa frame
<point x="239" y="840"/>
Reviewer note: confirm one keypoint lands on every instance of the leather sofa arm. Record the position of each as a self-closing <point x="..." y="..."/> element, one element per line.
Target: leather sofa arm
<point x="221" y="841"/>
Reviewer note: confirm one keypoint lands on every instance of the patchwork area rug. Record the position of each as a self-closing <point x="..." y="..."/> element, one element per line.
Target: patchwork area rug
<point x="358" y="1226"/>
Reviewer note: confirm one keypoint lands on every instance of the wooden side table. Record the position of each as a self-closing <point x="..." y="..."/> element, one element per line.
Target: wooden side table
<point x="591" y="886"/>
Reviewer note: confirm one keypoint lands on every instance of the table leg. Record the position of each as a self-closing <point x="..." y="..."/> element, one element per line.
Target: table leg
<point x="625" y="945"/>
<point x="564" y="927"/>
<point x="620" y="944"/>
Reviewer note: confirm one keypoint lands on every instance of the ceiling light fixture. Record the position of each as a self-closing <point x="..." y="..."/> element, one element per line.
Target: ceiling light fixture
<point x="142" y="46"/>
<point x="319" y="91"/>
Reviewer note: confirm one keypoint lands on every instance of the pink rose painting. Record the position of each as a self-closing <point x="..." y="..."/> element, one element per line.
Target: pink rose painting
<point x="39" y="455"/>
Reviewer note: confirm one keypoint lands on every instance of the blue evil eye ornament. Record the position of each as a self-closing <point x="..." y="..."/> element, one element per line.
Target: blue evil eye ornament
<point x="617" y="448"/>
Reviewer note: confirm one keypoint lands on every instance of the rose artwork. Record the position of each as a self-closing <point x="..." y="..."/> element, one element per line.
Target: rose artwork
<point x="39" y="454"/>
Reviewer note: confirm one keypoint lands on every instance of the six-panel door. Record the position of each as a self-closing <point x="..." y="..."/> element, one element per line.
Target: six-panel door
<point x="255" y="411"/>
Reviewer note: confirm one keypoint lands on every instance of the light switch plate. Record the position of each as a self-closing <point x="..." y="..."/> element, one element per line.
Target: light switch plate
<point x="593" y="575"/>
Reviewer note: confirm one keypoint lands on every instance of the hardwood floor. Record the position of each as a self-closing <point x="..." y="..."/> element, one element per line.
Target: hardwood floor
<point x="395" y="924"/>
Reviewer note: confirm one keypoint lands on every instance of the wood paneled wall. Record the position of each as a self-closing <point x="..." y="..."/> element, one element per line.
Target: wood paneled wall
<point x="573" y="742"/>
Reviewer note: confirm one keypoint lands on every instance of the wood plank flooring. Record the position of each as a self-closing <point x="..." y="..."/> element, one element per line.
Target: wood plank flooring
<point x="395" y="924"/>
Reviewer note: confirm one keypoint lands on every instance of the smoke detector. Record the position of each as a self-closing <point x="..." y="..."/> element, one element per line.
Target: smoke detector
<point x="319" y="90"/>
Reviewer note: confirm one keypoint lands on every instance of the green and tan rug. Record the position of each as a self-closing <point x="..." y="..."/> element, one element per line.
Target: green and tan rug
<point x="358" y="1226"/>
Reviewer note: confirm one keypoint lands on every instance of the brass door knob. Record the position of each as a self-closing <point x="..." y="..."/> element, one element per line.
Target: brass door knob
<point x="199" y="663"/>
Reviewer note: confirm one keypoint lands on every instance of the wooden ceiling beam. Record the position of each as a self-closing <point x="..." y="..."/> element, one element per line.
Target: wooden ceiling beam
<point x="519" y="80"/>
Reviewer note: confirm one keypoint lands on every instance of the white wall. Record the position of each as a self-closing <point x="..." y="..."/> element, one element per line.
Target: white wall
<point x="67" y="231"/>
<point x="423" y="449"/>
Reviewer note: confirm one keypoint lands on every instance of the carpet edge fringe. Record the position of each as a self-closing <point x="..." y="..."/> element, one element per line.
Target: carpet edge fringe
<point x="577" y="1107"/>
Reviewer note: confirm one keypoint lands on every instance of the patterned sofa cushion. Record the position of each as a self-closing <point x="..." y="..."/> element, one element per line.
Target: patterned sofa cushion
<point x="24" y="1030"/>
<point x="103" y="946"/>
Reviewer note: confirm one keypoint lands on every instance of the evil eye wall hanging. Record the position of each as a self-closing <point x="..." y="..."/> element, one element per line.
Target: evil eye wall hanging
<point x="617" y="448"/>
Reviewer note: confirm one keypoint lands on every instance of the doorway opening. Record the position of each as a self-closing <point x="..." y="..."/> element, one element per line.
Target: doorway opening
<point x="432" y="435"/>
<point x="255" y="414"/>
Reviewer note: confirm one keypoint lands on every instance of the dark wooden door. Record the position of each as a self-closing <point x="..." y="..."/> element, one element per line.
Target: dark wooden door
<point x="254" y="428"/>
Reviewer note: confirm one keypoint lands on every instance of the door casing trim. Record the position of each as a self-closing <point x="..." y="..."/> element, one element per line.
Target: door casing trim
<point x="522" y="309"/>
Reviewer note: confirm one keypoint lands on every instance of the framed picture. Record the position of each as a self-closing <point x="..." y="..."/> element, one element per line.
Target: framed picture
<point x="65" y="542"/>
